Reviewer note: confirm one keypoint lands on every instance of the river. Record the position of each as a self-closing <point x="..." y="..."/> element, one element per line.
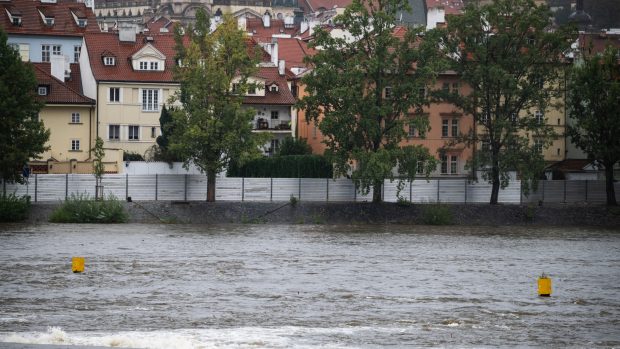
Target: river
<point x="308" y="286"/>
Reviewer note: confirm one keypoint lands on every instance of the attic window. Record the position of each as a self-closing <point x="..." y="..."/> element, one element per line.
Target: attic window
<point x="49" y="21"/>
<point x="109" y="60"/>
<point x="273" y="88"/>
<point x="82" y="23"/>
<point x="42" y="90"/>
<point x="17" y="20"/>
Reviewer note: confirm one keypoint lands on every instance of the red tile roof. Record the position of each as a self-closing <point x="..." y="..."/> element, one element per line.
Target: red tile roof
<point x="293" y="51"/>
<point x="282" y="97"/>
<point x="108" y="44"/>
<point x="32" y="23"/>
<point x="263" y="34"/>
<point x="316" y="5"/>
<point x="157" y="23"/>
<point x="61" y="92"/>
<point x="596" y="43"/>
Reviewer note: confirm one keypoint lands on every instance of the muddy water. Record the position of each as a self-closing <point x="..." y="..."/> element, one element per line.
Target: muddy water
<point x="258" y="286"/>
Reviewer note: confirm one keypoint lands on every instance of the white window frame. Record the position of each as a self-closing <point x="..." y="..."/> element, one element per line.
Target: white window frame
<point x="454" y="164"/>
<point x="443" y="163"/>
<point x="117" y="95"/>
<point x="540" y="117"/>
<point x="154" y="65"/>
<point x="388" y="92"/>
<point x="412" y="129"/>
<point x="275" y="113"/>
<point x="109" y="61"/>
<point x="143" y="65"/>
<point x="117" y="128"/>
<point x="75" y="144"/>
<point x="454" y="128"/>
<point x="46" y="53"/>
<point x="49" y="21"/>
<point x="42" y="90"/>
<point x="150" y="103"/>
<point x="75" y="118"/>
<point x="133" y="136"/>
<point x="57" y="50"/>
<point x="77" y="51"/>
<point x="445" y="128"/>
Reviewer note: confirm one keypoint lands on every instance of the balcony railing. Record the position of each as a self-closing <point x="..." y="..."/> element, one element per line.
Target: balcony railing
<point x="276" y="124"/>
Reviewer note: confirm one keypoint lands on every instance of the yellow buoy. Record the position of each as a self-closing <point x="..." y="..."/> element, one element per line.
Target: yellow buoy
<point x="77" y="264"/>
<point x="544" y="286"/>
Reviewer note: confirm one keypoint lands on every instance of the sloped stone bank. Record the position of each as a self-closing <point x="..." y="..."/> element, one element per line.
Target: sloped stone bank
<point x="355" y="213"/>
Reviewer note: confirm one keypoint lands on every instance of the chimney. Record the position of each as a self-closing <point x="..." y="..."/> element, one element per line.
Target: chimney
<point x="242" y="23"/>
<point x="274" y="51"/>
<point x="126" y="32"/>
<point x="303" y="26"/>
<point x="267" y="19"/>
<point x="58" y="67"/>
<point x="281" y="67"/>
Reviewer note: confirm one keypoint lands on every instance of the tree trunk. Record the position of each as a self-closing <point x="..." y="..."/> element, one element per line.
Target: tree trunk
<point x="609" y="184"/>
<point x="495" y="181"/>
<point x="210" y="186"/>
<point x="376" y="191"/>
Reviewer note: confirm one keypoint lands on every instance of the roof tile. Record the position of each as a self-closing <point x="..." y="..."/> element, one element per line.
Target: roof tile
<point x="61" y="92"/>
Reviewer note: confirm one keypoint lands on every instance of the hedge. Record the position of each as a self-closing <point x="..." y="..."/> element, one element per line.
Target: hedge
<point x="290" y="166"/>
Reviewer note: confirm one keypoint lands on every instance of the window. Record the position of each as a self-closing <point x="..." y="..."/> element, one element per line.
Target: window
<point x="444" y="164"/>
<point x="484" y="118"/>
<point x="538" y="146"/>
<point x="75" y="144"/>
<point x="45" y="53"/>
<point x="411" y="133"/>
<point x="42" y="91"/>
<point x="455" y="127"/>
<point x="77" y="50"/>
<point x="154" y="65"/>
<point x="540" y="117"/>
<point x="274" y="114"/>
<point x="114" y="132"/>
<point x="445" y="87"/>
<point x="453" y="164"/>
<point x="75" y="118"/>
<point x="444" y="127"/>
<point x="150" y="100"/>
<point x="15" y="47"/>
<point x="235" y="88"/>
<point x="455" y="88"/>
<point x="82" y="23"/>
<point x="24" y="51"/>
<point x="514" y="117"/>
<point x="115" y="94"/>
<point x="251" y="89"/>
<point x="56" y="50"/>
<point x="388" y="92"/>
<point x="17" y="21"/>
<point x="109" y="60"/>
<point x="144" y="65"/>
<point x="134" y="132"/>
<point x="273" y="88"/>
<point x="275" y="145"/>
<point x="420" y="167"/>
<point x="49" y="21"/>
<point x="153" y="132"/>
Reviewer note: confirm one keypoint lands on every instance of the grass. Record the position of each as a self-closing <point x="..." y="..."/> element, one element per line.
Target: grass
<point x="436" y="214"/>
<point x="82" y="208"/>
<point x="14" y="208"/>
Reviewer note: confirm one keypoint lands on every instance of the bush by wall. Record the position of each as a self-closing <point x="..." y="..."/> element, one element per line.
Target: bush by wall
<point x="290" y="166"/>
<point x="436" y="214"/>
<point x="83" y="209"/>
<point x="14" y="208"/>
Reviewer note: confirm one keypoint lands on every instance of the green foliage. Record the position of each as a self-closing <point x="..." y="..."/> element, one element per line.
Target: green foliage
<point x="82" y="209"/>
<point x="212" y="129"/>
<point x="293" y="200"/>
<point x="294" y="146"/>
<point x="162" y="151"/>
<point x="436" y="214"/>
<point x="530" y="212"/>
<point x="513" y="63"/>
<point x="98" y="154"/>
<point x="594" y="106"/>
<point x="132" y="156"/>
<point x="291" y="166"/>
<point x="14" y="208"/>
<point x="22" y="135"/>
<point x="363" y="90"/>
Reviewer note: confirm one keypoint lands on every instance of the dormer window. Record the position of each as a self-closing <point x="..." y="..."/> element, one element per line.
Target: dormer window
<point x="17" y="21"/>
<point x="154" y="65"/>
<point x="144" y="65"/>
<point x="82" y="23"/>
<point x="49" y="21"/>
<point x="273" y="88"/>
<point x="43" y="90"/>
<point x="109" y="60"/>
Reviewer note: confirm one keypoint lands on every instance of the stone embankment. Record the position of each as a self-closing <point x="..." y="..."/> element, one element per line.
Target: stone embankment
<point x="356" y="213"/>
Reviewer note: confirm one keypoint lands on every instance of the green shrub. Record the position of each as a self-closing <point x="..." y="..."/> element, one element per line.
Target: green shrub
<point x="83" y="209"/>
<point x="290" y="166"/>
<point x="14" y="208"/>
<point x="436" y="214"/>
<point x="132" y="156"/>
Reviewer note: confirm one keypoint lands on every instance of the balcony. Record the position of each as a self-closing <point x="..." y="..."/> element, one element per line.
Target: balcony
<point x="274" y="125"/>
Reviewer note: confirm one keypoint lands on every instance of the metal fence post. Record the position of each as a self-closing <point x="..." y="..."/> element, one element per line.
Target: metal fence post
<point x="438" y="181"/>
<point x="327" y="190"/>
<point x="586" y="190"/>
<point x="410" y="190"/>
<point x="465" y="181"/>
<point x="185" y="190"/>
<point x="299" y="187"/>
<point x="354" y="192"/>
<point x="271" y="190"/>
<point x="156" y="187"/>
<point x="66" y="186"/>
<point x="521" y="192"/>
<point x="36" y="182"/>
<point x="242" y="189"/>
<point x="565" y="191"/>
<point x="126" y="186"/>
<point x="543" y="191"/>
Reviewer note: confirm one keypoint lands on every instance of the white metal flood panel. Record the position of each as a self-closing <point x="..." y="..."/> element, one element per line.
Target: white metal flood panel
<point x="19" y="189"/>
<point x="360" y="197"/>
<point x="284" y="188"/>
<point x="115" y="185"/>
<point x="141" y="187"/>
<point x="171" y="187"/>
<point x="511" y="194"/>
<point x="452" y="190"/>
<point x="197" y="187"/>
<point x="313" y="189"/>
<point x="228" y="189"/>
<point x="390" y="190"/>
<point x="82" y="184"/>
<point x="553" y="191"/>
<point x="424" y="191"/>
<point x="51" y="187"/>
<point x="597" y="191"/>
<point x="341" y="190"/>
<point x="575" y="191"/>
<point x="257" y="189"/>
<point x="479" y="192"/>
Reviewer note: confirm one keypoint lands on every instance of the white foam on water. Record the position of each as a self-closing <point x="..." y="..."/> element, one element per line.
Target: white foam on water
<point x="239" y="338"/>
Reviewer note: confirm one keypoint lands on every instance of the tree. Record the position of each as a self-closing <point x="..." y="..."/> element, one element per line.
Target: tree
<point x="22" y="135"/>
<point x="98" y="167"/>
<point x="212" y="129"/>
<point x="294" y="146"/>
<point x="161" y="151"/>
<point x="594" y="109"/>
<point x="364" y="88"/>
<point x="513" y="63"/>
